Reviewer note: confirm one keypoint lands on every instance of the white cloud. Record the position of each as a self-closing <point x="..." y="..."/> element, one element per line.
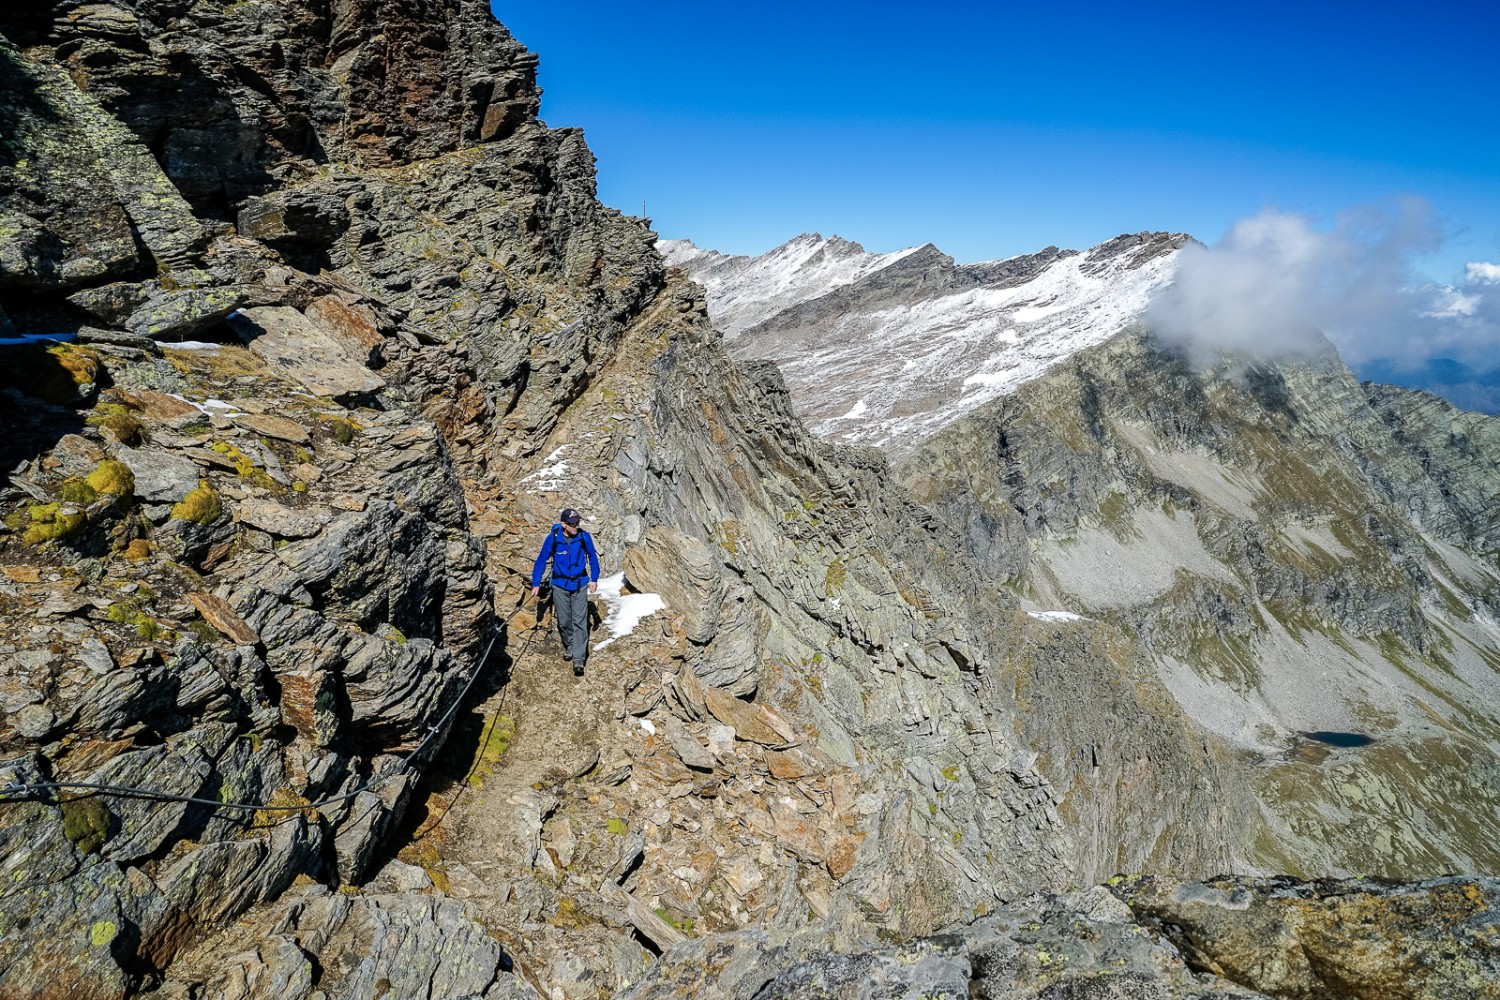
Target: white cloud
<point x="1276" y="286"/>
<point x="1450" y="303"/>
<point x="1482" y="273"/>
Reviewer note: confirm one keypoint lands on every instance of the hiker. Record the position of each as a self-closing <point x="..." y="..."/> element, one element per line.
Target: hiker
<point x="567" y="546"/>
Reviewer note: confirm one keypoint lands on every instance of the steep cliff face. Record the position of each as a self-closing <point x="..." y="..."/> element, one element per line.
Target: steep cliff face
<point x="1294" y="552"/>
<point x="235" y="572"/>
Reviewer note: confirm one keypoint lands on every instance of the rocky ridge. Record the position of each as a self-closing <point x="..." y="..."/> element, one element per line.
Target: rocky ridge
<point x="262" y="567"/>
<point x="886" y="349"/>
<point x="1287" y="551"/>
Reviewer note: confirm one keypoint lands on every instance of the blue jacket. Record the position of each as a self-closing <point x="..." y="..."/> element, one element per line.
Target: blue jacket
<point x="567" y="555"/>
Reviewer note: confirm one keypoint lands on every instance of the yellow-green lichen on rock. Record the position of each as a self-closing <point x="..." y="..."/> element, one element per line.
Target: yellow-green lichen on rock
<point x="119" y="421"/>
<point x="60" y="373"/>
<point x="51" y="522"/>
<point x="76" y="490"/>
<point x="201" y="506"/>
<point x="113" y="478"/>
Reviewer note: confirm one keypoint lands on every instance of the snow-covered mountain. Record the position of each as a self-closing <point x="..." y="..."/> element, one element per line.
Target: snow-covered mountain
<point x="886" y="349"/>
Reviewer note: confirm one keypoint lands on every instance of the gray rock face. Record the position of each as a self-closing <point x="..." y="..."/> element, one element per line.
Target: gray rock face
<point x="302" y="350"/>
<point x="1457" y="451"/>
<point x="1287" y="938"/>
<point x="317" y="943"/>
<point x="86" y="203"/>
<point x="1230" y="938"/>
<point x="1085" y="945"/>
<point x="160" y="476"/>
<point x="180" y="314"/>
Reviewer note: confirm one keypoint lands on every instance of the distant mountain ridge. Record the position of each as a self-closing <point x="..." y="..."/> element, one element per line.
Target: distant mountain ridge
<point x="887" y="349"/>
<point x="1464" y="386"/>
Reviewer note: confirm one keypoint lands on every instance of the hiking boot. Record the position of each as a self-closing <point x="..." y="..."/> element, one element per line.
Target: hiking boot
<point x="578" y="670"/>
<point x="567" y="657"/>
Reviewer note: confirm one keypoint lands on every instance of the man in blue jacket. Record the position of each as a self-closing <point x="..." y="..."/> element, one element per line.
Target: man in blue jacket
<point x="569" y="547"/>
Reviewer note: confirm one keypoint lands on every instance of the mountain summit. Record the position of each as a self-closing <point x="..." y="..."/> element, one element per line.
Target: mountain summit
<point x="886" y="349"/>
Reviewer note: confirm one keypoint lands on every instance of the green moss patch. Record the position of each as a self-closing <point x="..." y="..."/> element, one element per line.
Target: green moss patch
<point x="492" y="746"/>
<point x="201" y="506"/>
<point x="86" y="823"/>
<point x="51" y="522"/>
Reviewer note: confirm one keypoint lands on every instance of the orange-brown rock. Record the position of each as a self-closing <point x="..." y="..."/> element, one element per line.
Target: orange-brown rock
<point x="355" y="325"/>
<point x="272" y="426"/>
<point x="217" y="612"/>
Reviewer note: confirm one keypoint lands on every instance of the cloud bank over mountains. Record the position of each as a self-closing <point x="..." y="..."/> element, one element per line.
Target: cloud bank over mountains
<point x="1277" y="286"/>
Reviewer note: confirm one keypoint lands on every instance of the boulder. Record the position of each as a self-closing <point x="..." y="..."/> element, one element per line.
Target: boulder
<point x="116" y="338"/>
<point x="295" y="218"/>
<point x="272" y="426"/>
<point x="176" y="315"/>
<point x="160" y="476"/>
<point x="355" y="326"/>
<point x="110" y="304"/>
<point x="1363" y="939"/>
<point x="305" y="352"/>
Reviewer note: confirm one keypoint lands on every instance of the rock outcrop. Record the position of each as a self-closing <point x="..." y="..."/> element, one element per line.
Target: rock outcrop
<point x="1239" y="938"/>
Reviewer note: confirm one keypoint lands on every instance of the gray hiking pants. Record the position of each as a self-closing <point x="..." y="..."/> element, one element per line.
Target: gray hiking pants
<point x="572" y="609"/>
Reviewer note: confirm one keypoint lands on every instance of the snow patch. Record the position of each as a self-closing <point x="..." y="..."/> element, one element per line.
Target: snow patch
<point x="1057" y="616"/>
<point x="624" y="611"/>
<point x="915" y="364"/>
<point x="550" y="475"/>
<point x="744" y="291"/>
<point x="222" y="408"/>
<point x="193" y="345"/>
<point x="856" y="411"/>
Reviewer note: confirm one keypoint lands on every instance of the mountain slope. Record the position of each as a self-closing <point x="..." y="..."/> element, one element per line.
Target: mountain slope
<point x="1296" y="554"/>
<point x="887" y="349"/>
<point x="352" y="361"/>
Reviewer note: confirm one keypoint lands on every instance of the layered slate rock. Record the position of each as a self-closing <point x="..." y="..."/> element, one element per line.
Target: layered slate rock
<point x="1228" y="938"/>
<point x="316" y="943"/>
<point x="1359" y="938"/>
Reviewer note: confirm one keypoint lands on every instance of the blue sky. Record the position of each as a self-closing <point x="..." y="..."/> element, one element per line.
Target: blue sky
<point x="993" y="131"/>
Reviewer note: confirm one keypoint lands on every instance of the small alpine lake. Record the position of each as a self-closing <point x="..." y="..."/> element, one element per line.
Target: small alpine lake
<point x="1334" y="739"/>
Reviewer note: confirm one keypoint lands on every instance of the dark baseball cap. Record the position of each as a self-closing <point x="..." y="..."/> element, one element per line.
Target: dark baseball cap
<point x="570" y="516"/>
